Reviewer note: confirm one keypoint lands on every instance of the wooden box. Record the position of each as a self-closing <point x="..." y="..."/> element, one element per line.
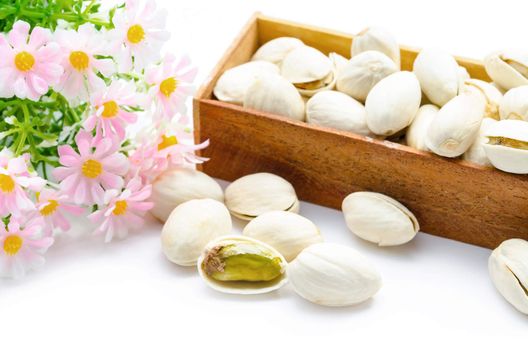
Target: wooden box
<point x="451" y="198"/>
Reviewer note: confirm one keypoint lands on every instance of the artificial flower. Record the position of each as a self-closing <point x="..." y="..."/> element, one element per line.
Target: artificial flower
<point x="29" y="63"/>
<point x="22" y="246"/>
<point x="52" y="206"/>
<point x="171" y="84"/>
<point x="81" y="51"/>
<point x="122" y="210"/>
<point x="98" y="166"/>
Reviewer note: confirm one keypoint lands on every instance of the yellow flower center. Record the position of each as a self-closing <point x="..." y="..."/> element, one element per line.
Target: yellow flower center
<point x="167" y="141"/>
<point x="135" y="34"/>
<point x="110" y="109"/>
<point x="168" y="86"/>
<point x="50" y="208"/>
<point x="7" y="184"/>
<point x="12" y="244"/>
<point x="120" y="208"/>
<point x="24" y="61"/>
<point x="79" y="60"/>
<point x="92" y="168"/>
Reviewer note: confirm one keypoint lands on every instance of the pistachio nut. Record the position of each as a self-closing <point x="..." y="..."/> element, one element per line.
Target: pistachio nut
<point x="415" y="136"/>
<point x="507" y="146"/>
<point x="393" y="103"/>
<point x="180" y="185"/>
<point x="256" y="194"/>
<point x="287" y="232"/>
<point x="338" y="61"/>
<point x="275" y="50"/>
<point x="309" y="70"/>
<point x="274" y="94"/>
<point x="359" y="75"/>
<point x="456" y="125"/>
<point x="190" y="226"/>
<point x="242" y="265"/>
<point x="333" y="275"/>
<point x="491" y="94"/>
<point x="508" y="269"/>
<point x="337" y="110"/>
<point x="475" y="152"/>
<point x="376" y="39"/>
<point x="234" y="82"/>
<point x="514" y="105"/>
<point x="438" y="73"/>
<point x="507" y="69"/>
<point x="380" y="219"/>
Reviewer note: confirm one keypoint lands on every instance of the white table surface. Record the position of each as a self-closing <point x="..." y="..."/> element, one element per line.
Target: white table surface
<point x="125" y="294"/>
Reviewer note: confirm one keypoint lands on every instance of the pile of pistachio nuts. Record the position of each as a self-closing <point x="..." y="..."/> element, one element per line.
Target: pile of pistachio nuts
<point x="435" y="108"/>
<point x="278" y="245"/>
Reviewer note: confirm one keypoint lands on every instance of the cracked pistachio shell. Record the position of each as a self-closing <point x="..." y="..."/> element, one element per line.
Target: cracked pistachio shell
<point x="190" y="226"/>
<point x="491" y="94"/>
<point x="508" y="269"/>
<point x="359" y="75"/>
<point x="415" y="135"/>
<point x="376" y="39"/>
<point x="514" y="105"/>
<point x="333" y="275"/>
<point x="309" y="70"/>
<point x="256" y="194"/>
<point x="337" y="110"/>
<point x="507" y="146"/>
<point x="177" y="186"/>
<point x="507" y="69"/>
<point x="393" y="103"/>
<point x="287" y="232"/>
<point x="438" y="73"/>
<point x="456" y="125"/>
<point x="274" y="94"/>
<point x="379" y="219"/>
<point x="275" y="50"/>
<point x="476" y="153"/>
<point x="234" y="82"/>
<point x="242" y="265"/>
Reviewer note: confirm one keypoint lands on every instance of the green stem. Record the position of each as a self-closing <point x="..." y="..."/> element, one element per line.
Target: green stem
<point x="70" y="17"/>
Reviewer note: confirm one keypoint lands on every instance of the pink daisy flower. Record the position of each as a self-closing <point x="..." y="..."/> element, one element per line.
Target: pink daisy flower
<point x="79" y="58"/>
<point x="15" y="179"/>
<point x="22" y="247"/>
<point x="51" y="207"/>
<point x="122" y="210"/>
<point x="171" y="84"/>
<point x="140" y="30"/>
<point x="110" y="118"/>
<point x="97" y="167"/>
<point x="30" y="63"/>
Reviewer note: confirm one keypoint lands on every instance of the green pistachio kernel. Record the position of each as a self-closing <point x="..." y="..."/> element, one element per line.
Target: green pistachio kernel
<point x="507" y="142"/>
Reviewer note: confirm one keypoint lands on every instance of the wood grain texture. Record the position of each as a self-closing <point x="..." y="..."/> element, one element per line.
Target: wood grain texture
<point x="451" y="198"/>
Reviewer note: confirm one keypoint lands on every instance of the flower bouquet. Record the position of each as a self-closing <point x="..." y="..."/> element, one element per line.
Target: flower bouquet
<point x="91" y="113"/>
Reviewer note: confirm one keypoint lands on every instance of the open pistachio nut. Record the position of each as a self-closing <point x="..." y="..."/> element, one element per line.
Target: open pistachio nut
<point x="275" y="50"/>
<point x="507" y="146"/>
<point x="508" y="69"/>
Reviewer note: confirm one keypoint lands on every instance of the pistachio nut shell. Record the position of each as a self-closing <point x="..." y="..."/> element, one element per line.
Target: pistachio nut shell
<point x="242" y="265"/>
<point x="490" y="93"/>
<point x="287" y="232"/>
<point x="234" y="82"/>
<point x="337" y="110"/>
<point x="376" y="39"/>
<point x="415" y="136"/>
<point x="475" y="152"/>
<point x="275" y="50"/>
<point x="514" y="105"/>
<point x="507" y="146"/>
<point x="456" y="126"/>
<point x="333" y="275"/>
<point x="191" y="226"/>
<point x="338" y="60"/>
<point x="306" y="64"/>
<point x="256" y="194"/>
<point x="438" y="73"/>
<point x="508" y="269"/>
<point x="379" y="219"/>
<point x="359" y="75"/>
<point x="274" y="94"/>
<point x="177" y="186"/>
<point x="507" y="69"/>
<point x="393" y="103"/>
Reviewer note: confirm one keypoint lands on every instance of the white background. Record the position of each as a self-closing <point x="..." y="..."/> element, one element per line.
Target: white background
<point x="127" y="295"/>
